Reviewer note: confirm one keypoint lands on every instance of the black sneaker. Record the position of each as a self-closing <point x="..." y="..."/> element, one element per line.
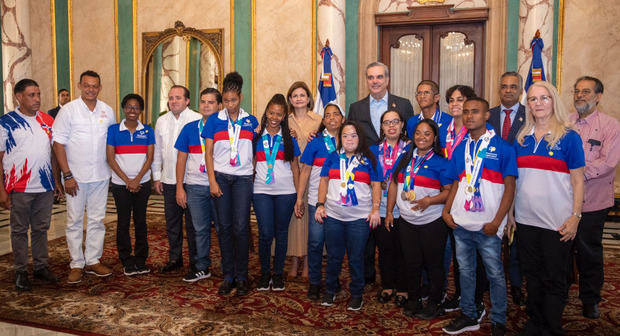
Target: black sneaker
<point x="355" y="303"/>
<point x="263" y="282"/>
<point x="430" y="312"/>
<point x="226" y="287"/>
<point x="44" y="274"/>
<point x="461" y="324"/>
<point x="412" y="307"/>
<point x="314" y="292"/>
<point x="451" y="304"/>
<point x="143" y="269"/>
<point x="198" y="275"/>
<point x="277" y="283"/>
<point x="21" y="281"/>
<point x="130" y="270"/>
<point x="498" y="329"/>
<point x="328" y="299"/>
<point x="242" y="288"/>
<point x="480" y="311"/>
<point x="171" y="266"/>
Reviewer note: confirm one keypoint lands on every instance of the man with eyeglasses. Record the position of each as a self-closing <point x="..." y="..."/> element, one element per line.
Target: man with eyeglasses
<point x="600" y="134"/>
<point x="79" y="141"/>
<point x="507" y="119"/>
<point x="427" y="95"/>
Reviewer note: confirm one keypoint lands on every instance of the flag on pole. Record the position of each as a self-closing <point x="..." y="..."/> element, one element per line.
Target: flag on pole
<point x="537" y="70"/>
<point x="326" y="89"/>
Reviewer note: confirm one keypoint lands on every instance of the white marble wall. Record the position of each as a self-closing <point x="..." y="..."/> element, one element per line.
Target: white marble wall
<point x="387" y="6"/>
<point x="331" y="25"/>
<point x="533" y="15"/>
<point x="16" y="50"/>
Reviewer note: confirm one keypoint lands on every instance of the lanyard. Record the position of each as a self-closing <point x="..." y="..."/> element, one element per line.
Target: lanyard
<point x="203" y="166"/>
<point x="408" y="192"/>
<point x="234" y="130"/>
<point x="270" y="155"/>
<point x="347" y="179"/>
<point x="436" y="116"/>
<point x="453" y="139"/>
<point x="473" y="165"/>
<point x="329" y="141"/>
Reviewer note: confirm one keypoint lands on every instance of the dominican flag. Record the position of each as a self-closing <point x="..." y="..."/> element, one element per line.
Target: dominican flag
<point x="327" y="91"/>
<point x="537" y="71"/>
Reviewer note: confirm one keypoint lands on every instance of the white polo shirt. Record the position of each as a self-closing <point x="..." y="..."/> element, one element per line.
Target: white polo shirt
<point x="167" y="130"/>
<point x="83" y="133"/>
<point x="282" y="174"/>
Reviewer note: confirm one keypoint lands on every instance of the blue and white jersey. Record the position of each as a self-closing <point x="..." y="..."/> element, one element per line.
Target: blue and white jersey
<point x="217" y="130"/>
<point x="282" y="183"/>
<point x="190" y="142"/>
<point x="130" y="149"/>
<point x="444" y="122"/>
<point x="544" y="196"/>
<point x="314" y="155"/>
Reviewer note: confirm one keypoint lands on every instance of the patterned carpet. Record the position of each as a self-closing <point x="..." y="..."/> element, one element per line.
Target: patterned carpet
<point x="156" y="304"/>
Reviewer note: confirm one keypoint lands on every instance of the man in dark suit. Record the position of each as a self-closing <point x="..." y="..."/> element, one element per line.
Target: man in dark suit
<point x="367" y="113"/>
<point x="507" y="119"/>
<point x="63" y="98"/>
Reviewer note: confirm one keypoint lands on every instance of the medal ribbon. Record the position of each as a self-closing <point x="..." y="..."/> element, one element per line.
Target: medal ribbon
<point x="473" y="168"/>
<point x="387" y="159"/>
<point x="270" y="155"/>
<point x="413" y="168"/>
<point x="203" y="165"/>
<point x="234" y="130"/>
<point x="329" y="141"/>
<point x="453" y="139"/>
<point x="436" y="116"/>
<point x="347" y="179"/>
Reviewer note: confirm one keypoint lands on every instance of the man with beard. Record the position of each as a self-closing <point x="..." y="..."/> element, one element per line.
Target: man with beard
<point x="600" y="134"/>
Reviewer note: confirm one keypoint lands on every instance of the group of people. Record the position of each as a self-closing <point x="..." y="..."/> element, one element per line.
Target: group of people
<point x="429" y="191"/>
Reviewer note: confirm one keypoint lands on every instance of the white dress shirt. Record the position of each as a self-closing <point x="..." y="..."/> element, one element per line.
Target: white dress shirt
<point x="83" y="133"/>
<point x="167" y="130"/>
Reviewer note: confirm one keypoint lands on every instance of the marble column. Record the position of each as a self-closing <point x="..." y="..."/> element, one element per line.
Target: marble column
<point x="331" y="25"/>
<point x="16" y="51"/>
<point x="535" y="15"/>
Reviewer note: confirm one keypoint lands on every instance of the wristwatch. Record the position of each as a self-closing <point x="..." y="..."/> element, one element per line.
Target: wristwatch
<point x="576" y="214"/>
<point x="318" y="204"/>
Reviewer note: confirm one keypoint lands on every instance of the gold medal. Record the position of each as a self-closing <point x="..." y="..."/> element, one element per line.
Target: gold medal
<point x="411" y="195"/>
<point x="403" y="195"/>
<point x="470" y="189"/>
<point x="383" y="185"/>
<point x="270" y="166"/>
<point x="343" y="184"/>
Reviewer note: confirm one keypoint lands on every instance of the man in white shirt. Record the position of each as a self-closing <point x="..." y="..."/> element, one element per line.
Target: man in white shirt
<point x="167" y="130"/>
<point x="79" y="136"/>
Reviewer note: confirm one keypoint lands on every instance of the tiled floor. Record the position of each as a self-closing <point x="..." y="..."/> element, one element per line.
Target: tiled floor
<point x="7" y="329"/>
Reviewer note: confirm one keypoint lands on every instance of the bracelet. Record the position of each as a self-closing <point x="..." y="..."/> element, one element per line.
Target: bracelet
<point x="318" y="204"/>
<point x="576" y="214"/>
<point x="67" y="176"/>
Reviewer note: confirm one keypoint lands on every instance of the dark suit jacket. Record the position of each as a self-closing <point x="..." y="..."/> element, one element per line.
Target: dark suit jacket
<point x="54" y="112"/>
<point x="360" y="113"/>
<point x="495" y="121"/>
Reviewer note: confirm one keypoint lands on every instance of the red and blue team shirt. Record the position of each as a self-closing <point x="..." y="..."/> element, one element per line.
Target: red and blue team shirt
<point x="364" y="174"/>
<point x="428" y="182"/>
<point x="500" y="162"/>
<point x="283" y="175"/>
<point x="544" y="196"/>
<point x="189" y="141"/>
<point x="444" y="122"/>
<point x="377" y="150"/>
<point x="314" y="155"/>
<point x="130" y="149"/>
<point x="26" y="143"/>
<point x="217" y="130"/>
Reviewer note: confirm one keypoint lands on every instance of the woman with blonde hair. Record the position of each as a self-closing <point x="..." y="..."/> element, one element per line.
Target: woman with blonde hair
<point x="303" y="121"/>
<point x="551" y="162"/>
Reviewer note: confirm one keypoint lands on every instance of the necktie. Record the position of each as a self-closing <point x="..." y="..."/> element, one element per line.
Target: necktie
<point x="506" y="125"/>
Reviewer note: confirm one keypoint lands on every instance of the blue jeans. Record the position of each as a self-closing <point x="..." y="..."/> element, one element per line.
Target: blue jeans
<point x="233" y="214"/>
<point x="273" y="214"/>
<point x="316" y="241"/>
<point x="349" y="236"/>
<point x="202" y="209"/>
<point x="490" y="249"/>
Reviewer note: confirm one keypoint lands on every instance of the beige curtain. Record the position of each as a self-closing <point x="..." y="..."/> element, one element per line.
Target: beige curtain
<point x="406" y="67"/>
<point x="456" y="64"/>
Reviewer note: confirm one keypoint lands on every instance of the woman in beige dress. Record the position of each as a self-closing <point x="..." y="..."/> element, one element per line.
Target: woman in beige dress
<point x="303" y="121"/>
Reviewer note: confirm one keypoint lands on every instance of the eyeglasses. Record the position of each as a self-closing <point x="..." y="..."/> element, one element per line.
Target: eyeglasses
<point x="132" y="107"/>
<point x="542" y="99"/>
<point x="585" y="92"/>
<point x="393" y="122"/>
<point x="424" y="93"/>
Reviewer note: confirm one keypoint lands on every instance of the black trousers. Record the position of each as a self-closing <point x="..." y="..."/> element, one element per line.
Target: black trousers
<point x="482" y="283"/>
<point x="174" y="227"/>
<point x="544" y="262"/>
<point x="589" y="251"/>
<point x="126" y="204"/>
<point x="391" y="259"/>
<point x="424" y="245"/>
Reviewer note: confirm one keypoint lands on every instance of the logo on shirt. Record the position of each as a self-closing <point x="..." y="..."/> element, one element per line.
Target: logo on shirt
<point x="247" y="123"/>
<point x="141" y="135"/>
